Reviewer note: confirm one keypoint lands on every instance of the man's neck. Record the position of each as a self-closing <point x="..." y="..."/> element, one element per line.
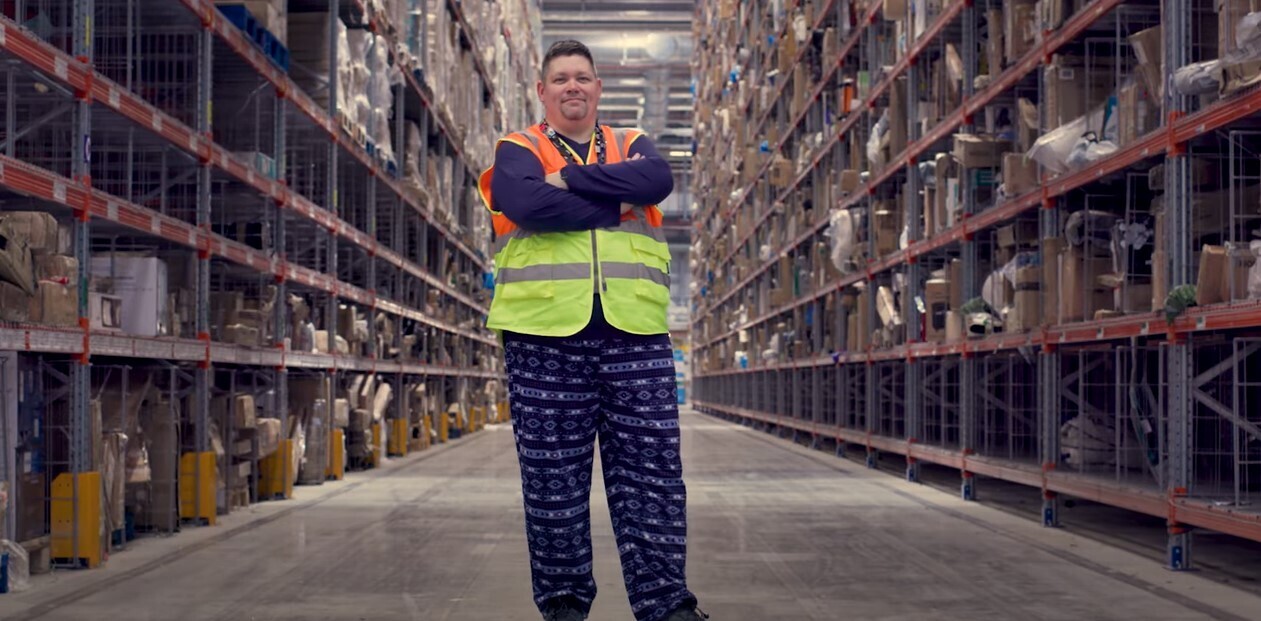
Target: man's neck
<point x="577" y="132"/>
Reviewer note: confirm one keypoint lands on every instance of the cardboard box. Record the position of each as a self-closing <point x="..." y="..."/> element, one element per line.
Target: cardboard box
<point x="1072" y="90"/>
<point x="1136" y="114"/>
<point x="245" y="336"/>
<point x="850" y="181"/>
<point x="898" y="130"/>
<point x="141" y="282"/>
<point x="15" y="304"/>
<point x="17" y="266"/>
<point x="56" y="304"/>
<point x="1149" y="48"/>
<point x="1024" y="232"/>
<point x="954" y="326"/>
<point x="57" y="267"/>
<point x="890" y="315"/>
<point x="1239" y="76"/>
<point x="894" y="10"/>
<point x="955" y="281"/>
<point x="1229" y="14"/>
<point x="105" y="312"/>
<point x="996" y="44"/>
<point x="1020" y="28"/>
<point x="1020" y="174"/>
<point x="31" y="499"/>
<point x="974" y="151"/>
<point x="1026" y="125"/>
<point x="246" y="413"/>
<point x="781" y="173"/>
<point x="38" y="228"/>
<point x="1222" y="278"/>
<point x="888" y="227"/>
<point x="1026" y="311"/>
<point x="1051" y="247"/>
<point x="1080" y="293"/>
<point x="937" y="306"/>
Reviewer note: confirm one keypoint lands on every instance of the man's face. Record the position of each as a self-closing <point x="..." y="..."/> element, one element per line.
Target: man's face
<point x="570" y="90"/>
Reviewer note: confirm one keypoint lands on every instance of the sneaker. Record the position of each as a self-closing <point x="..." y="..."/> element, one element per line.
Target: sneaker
<point x="688" y="612"/>
<point x="563" y="609"/>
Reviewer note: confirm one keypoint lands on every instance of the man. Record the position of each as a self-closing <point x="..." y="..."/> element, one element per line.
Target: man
<point x="581" y="289"/>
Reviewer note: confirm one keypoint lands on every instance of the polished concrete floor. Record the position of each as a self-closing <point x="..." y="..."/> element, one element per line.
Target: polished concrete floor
<point x="778" y="532"/>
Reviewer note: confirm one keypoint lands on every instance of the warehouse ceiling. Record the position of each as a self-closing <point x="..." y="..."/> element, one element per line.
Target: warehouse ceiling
<point x="643" y="52"/>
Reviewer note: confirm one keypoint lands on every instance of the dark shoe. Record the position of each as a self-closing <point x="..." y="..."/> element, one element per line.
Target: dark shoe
<point x="688" y="612"/>
<point x="563" y="609"/>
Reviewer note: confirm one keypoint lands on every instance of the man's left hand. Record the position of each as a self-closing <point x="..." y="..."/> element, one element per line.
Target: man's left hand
<point x="555" y="180"/>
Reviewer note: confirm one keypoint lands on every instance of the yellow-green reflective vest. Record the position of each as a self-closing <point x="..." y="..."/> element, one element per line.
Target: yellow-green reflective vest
<point x="545" y="283"/>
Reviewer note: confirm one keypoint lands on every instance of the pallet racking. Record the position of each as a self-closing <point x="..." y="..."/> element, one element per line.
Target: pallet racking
<point x="1124" y="408"/>
<point x="162" y="129"/>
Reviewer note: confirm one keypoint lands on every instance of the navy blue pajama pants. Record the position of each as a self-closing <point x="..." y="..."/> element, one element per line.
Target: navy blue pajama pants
<point x="563" y="394"/>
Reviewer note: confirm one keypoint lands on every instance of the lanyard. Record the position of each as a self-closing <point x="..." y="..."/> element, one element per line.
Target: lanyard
<point x="597" y="137"/>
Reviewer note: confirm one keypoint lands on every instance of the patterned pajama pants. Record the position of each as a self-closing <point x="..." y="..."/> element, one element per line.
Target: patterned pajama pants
<point x="563" y="394"/>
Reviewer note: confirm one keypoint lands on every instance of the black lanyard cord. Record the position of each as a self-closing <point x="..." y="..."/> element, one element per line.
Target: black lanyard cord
<point x="566" y="152"/>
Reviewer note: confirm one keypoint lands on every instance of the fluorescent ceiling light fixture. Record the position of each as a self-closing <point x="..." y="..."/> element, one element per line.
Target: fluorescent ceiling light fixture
<point x="680" y="154"/>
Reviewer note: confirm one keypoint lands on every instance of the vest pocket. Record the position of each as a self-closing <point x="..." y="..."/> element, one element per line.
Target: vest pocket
<point x="651" y="252"/>
<point x="529" y="273"/>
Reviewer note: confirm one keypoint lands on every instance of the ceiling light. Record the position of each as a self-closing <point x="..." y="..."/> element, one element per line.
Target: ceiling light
<point x="680" y="154"/>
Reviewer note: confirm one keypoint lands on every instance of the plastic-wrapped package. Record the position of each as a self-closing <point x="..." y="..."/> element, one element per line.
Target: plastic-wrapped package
<point x="1090" y="226"/>
<point x="873" y="143"/>
<point x="19" y="565"/>
<point x="1248" y="35"/>
<point x="1198" y="78"/>
<point x="841" y="230"/>
<point x="1069" y="145"/>
<point x="1254" y="273"/>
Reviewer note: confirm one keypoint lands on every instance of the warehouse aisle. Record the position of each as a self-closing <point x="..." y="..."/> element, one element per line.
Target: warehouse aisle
<point x="779" y="532"/>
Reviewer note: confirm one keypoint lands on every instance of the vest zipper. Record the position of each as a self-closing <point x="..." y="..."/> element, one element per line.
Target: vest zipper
<point x="600" y="283"/>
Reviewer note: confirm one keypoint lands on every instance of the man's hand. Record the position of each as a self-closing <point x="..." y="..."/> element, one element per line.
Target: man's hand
<point x="626" y="207"/>
<point x="554" y="180"/>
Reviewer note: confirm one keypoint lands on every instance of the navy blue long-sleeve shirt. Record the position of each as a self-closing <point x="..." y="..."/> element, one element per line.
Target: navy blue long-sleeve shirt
<point x="596" y="191"/>
<point x="594" y="200"/>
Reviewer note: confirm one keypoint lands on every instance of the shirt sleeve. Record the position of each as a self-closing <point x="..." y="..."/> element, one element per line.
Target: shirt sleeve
<point x="519" y="191"/>
<point x="646" y="181"/>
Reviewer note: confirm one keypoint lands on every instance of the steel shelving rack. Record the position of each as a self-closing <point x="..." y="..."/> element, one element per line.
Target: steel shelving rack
<point x="135" y="119"/>
<point x="991" y="406"/>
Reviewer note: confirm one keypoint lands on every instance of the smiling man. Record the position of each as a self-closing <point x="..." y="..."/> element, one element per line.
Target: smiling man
<point x="582" y="281"/>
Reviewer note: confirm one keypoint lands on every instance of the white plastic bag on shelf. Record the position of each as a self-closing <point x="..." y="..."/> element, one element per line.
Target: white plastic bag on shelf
<point x="1070" y="145"/>
<point x="1053" y="149"/>
<point x="19" y="565"/>
<point x="1090" y="148"/>
<point x="1248" y="35"/>
<point x="841" y="230"/>
<point x="1254" y="273"/>
<point x="764" y="253"/>
<point x="873" y="143"/>
<point x="1198" y="78"/>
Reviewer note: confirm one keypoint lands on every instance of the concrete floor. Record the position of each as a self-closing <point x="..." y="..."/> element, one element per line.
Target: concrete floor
<point x="777" y="532"/>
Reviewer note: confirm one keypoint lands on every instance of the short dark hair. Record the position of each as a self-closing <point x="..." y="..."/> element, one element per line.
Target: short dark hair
<point x="567" y="47"/>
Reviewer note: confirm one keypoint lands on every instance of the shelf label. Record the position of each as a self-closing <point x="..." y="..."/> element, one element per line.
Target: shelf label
<point x="156" y="122"/>
<point x="114" y="101"/>
<point x="192" y="142"/>
<point x="59" y="191"/>
<point x="111" y="210"/>
<point x="155" y="225"/>
<point x="60" y="68"/>
<point x="2" y="36"/>
<point x="192" y="237"/>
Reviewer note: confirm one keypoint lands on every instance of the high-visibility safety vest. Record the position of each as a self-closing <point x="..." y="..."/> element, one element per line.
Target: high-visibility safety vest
<point x="545" y="283"/>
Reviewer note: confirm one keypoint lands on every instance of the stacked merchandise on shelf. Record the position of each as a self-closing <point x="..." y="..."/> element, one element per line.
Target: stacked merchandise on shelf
<point x="36" y="272"/>
<point x="365" y="76"/>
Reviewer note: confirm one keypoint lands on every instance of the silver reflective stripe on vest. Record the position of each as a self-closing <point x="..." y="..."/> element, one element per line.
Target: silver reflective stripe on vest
<point x="534" y="273"/>
<point x="501" y="242"/>
<point x="635" y="271"/>
<point x="640" y="226"/>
